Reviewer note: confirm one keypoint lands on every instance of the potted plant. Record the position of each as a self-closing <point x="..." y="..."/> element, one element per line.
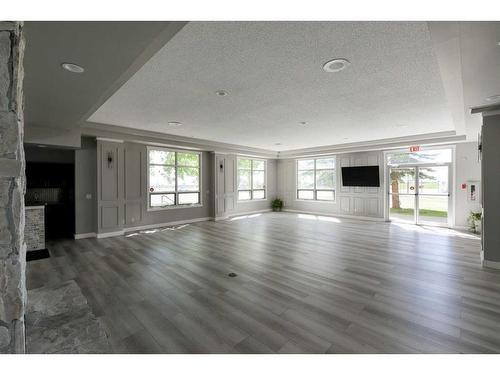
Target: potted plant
<point x="475" y="222"/>
<point x="277" y="204"/>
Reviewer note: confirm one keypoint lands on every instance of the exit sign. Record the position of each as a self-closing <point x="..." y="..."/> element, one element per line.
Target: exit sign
<point x="414" y="148"/>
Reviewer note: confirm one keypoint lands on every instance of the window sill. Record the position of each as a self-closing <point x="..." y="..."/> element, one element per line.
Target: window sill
<point x="176" y="207"/>
<point x="251" y="200"/>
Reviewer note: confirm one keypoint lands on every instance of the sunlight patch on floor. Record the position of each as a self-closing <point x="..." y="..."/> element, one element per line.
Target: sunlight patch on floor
<point x="318" y="217"/>
<point x="435" y="230"/>
<point x="244" y="217"/>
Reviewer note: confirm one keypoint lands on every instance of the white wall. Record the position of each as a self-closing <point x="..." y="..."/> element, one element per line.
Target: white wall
<point x="467" y="169"/>
<point x="369" y="202"/>
<point x="355" y="201"/>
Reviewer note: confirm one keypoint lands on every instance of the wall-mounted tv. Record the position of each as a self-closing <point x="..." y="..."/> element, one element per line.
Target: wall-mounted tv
<point x="361" y="176"/>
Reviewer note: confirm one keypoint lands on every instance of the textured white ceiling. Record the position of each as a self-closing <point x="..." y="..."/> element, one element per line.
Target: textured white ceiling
<point x="273" y="73"/>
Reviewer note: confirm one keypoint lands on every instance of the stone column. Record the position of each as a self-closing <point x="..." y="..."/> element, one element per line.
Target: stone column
<point x="12" y="188"/>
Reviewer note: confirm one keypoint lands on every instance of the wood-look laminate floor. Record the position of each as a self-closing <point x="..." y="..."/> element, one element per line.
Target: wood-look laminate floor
<point x="305" y="284"/>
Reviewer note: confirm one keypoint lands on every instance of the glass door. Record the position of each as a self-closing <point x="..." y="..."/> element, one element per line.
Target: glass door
<point x="433" y="195"/>
<point x="403" y="194"/>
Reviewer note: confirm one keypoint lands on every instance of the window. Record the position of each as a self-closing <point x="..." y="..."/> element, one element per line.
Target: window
<point x="316" y="179"/>
<point x="251" y="179"/>
<point x="174" y="178"/>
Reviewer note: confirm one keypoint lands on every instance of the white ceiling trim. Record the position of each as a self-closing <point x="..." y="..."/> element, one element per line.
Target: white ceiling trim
<point x="169" y="140"/>
<point x="386" y="144"/>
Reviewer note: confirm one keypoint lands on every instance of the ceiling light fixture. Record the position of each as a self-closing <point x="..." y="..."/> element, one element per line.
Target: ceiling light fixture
<point x="221" y="93"/>
<point x="277" y="144"/>
<point x="303" y="123"/>
<point x="401" y="126"/>
<point x="174" y="123"/>
<point x="73" y="68"/>
<point x="336" y="65"/>
<point x="493" y="98"/>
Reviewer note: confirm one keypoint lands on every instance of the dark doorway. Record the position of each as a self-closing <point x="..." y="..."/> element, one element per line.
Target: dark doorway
<point x="50" y="181"/>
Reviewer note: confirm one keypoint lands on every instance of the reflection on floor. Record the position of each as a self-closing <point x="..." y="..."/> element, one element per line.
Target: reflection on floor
<point x="306" y="283"/>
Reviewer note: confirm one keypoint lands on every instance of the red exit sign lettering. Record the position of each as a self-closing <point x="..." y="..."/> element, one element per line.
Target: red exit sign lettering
<point x="414" y="148"/>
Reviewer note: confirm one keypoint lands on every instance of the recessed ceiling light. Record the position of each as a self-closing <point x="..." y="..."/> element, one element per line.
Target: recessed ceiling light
<point x="174" y="123"/>
<point x="336" y="65"/>
<point x="493" y="98"/>
<point x="303" y="123"/>
<point x="345" y="138"/>
<point x="221" y="93"/>
<point x="401" y="126"/>
<point x="277" y="144"/>
<point x="73" y="68"/>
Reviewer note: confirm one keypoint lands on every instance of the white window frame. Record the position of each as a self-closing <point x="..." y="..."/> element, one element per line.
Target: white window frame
<point x="314" y="190"/>
<point x="176" y="205"/>
<point x="251" y="190"/>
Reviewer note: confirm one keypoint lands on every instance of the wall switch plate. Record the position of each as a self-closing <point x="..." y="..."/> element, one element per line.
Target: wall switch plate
<point x="88" y="196"/>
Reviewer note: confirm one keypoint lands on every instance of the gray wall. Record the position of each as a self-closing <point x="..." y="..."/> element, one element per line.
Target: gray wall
<point x="271" y="191"/>
<point x="355" y="201"/>
<point x="467" y="168"/>
<point x="491" y="187"/>
<point x="86" y="187"/>
<point x="52" y="136"/>
<point x="122" y="190"/>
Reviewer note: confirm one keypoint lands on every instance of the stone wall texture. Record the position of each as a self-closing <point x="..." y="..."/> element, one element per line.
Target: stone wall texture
<point x="34" y="228"/>
<point x="12" y="188"/>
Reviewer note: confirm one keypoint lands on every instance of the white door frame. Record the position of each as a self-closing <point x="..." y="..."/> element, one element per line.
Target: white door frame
<point x="451" y="181"/>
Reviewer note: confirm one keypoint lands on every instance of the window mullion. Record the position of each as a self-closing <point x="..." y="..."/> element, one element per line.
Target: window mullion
<point x="251" y="179"/>
<point x="176" y="201"/>
<point x="315" y="193"/>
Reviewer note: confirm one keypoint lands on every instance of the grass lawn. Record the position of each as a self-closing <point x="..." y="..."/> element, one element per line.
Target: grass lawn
<point x="423" y="212"/>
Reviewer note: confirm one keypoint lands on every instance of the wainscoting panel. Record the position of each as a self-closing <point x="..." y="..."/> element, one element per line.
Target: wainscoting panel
<point x="133" y="212"/>
<point x="345" y="205"/>
<point x="110" y="217"/>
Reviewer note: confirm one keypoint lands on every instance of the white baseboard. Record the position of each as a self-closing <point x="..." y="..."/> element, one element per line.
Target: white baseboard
<point x="80" y="236"/>
<point x="367" y="218"/>
<point x="110" y="234"/>
<point x="489" y="263"/>
<point x="220" y="218"/>
<point x="167" y="224"/>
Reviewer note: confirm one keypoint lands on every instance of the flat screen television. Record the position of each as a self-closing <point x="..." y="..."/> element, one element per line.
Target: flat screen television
<point x="361" y="176"/>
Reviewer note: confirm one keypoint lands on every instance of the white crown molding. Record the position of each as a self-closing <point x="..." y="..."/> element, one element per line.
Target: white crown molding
<point x="160" y="139"/>
<point x="150" y="138"/>
<point x="447" y="137"/>
<point x="486" y="110"/>
<point x="109" y="140"/>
